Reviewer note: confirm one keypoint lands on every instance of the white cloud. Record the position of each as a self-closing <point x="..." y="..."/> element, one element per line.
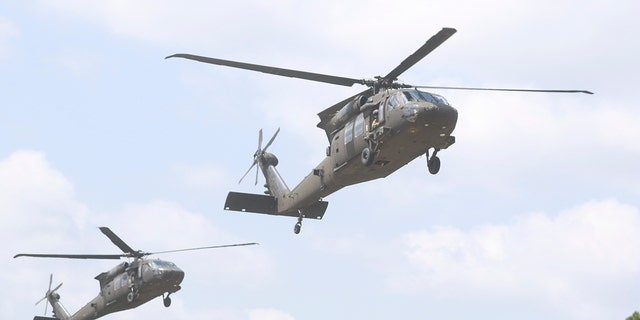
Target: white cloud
<point x="578" y="258"/>
<point x="32" y="194"/>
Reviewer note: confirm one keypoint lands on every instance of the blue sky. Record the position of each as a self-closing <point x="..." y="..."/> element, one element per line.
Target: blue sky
<point x="535" y="211"/>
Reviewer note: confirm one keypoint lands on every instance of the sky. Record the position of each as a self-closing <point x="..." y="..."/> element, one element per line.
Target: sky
<point x="535" y="212"/>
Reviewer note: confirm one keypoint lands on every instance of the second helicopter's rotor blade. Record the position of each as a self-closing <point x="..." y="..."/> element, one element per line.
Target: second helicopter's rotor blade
<point x="209" y="247"/>
<point x="71" y="256"/>
<point x="505" y="89"/>
<point x="342" y="81"/>
<point x="423" y="51"/>
<point x="117" y="241"/>
<point x="271" y="141"/>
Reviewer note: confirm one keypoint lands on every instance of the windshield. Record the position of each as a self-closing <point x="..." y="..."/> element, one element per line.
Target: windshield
<point x="440" y="99"/>
<point x="415" y="95"/>
<point x="159" y="264"/>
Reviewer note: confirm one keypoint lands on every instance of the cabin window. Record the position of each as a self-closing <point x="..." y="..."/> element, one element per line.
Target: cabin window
<point x="348" y="132"/>
<point x="122" y="282"/>
<point x="359" y="125"/>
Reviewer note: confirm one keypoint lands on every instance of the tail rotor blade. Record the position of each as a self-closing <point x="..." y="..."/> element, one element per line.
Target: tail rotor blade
<point x="37" y="303"/>
<point x="271" y="141"/>
<point x="245" y="174"/>
<point x="260" y="140"/>
<point x="256" y="183"/>
<point x="56" y="288"/>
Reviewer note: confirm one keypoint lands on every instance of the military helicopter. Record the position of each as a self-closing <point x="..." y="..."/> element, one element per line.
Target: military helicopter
<point x="371" y="135"/>
<point x="126" y="286"/>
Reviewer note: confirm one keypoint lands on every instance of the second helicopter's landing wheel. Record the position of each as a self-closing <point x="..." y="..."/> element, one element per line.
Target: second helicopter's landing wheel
<point x="166" y="301"/>
<point x="434" y="165"/>
<point x="366" y="156"/>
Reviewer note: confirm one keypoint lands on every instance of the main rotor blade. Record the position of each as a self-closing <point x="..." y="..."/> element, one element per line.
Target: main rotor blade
<point x="71" y="256"/>
<point x="117" y="241"/>
<point x="342" y="81"/>
<point x="209" y="247"/>
<point x="426" y="48"/>
<point x="504" y="89"/>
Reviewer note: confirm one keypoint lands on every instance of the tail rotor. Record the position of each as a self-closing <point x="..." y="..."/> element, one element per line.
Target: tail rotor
<point x="48" y="293"/>
<point x="259" y="154"/>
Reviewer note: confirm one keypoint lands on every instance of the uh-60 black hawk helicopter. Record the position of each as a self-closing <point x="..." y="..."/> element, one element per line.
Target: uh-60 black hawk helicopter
<point x="371" y="135"/>
<point x="126" y="286"/>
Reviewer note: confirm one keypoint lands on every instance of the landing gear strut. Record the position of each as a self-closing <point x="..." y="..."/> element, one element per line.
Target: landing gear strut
<point x="298" y="226"/>
<point x="433" y="162"/>
<point x="166" y="300"/>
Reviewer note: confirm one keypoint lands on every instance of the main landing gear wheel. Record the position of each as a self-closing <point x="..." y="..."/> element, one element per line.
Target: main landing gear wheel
<point x="434" y="165"/>
<point x="131" y="296"/>
<point x="166" y="301"/>
<point x="433" y="162"/>
<point x="298" y="226"/>
<point x="366" y="157"/>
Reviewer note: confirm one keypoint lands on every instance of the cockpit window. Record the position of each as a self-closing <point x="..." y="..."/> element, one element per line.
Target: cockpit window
<point x="396" y="100"/>
<point x="159" y="264"/>
<point x="415" y="95"/>
<point x="440" y="99"/>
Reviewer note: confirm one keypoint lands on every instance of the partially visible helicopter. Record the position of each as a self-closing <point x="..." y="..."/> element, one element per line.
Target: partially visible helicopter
<point x="371" y="135"/>
<point x="126" y="286"/>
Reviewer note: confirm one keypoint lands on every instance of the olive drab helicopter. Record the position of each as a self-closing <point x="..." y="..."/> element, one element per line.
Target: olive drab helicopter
<point x="371" y="135"/>
<point x="126" y="286"/>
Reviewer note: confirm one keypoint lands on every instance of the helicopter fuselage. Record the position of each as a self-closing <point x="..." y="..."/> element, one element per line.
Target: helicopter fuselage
<point x="396" y="126"/>
<point x="126" y="287"/>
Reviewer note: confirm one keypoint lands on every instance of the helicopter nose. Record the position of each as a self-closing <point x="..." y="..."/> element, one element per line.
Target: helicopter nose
<point x="173" y="276"/>
<point x="430" y="115"/>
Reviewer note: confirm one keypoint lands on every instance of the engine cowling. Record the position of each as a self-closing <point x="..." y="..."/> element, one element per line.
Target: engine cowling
<point x="347" y="112"/>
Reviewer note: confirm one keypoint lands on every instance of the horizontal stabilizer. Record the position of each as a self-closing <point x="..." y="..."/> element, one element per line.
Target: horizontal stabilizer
<point x="257" y="203"/>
